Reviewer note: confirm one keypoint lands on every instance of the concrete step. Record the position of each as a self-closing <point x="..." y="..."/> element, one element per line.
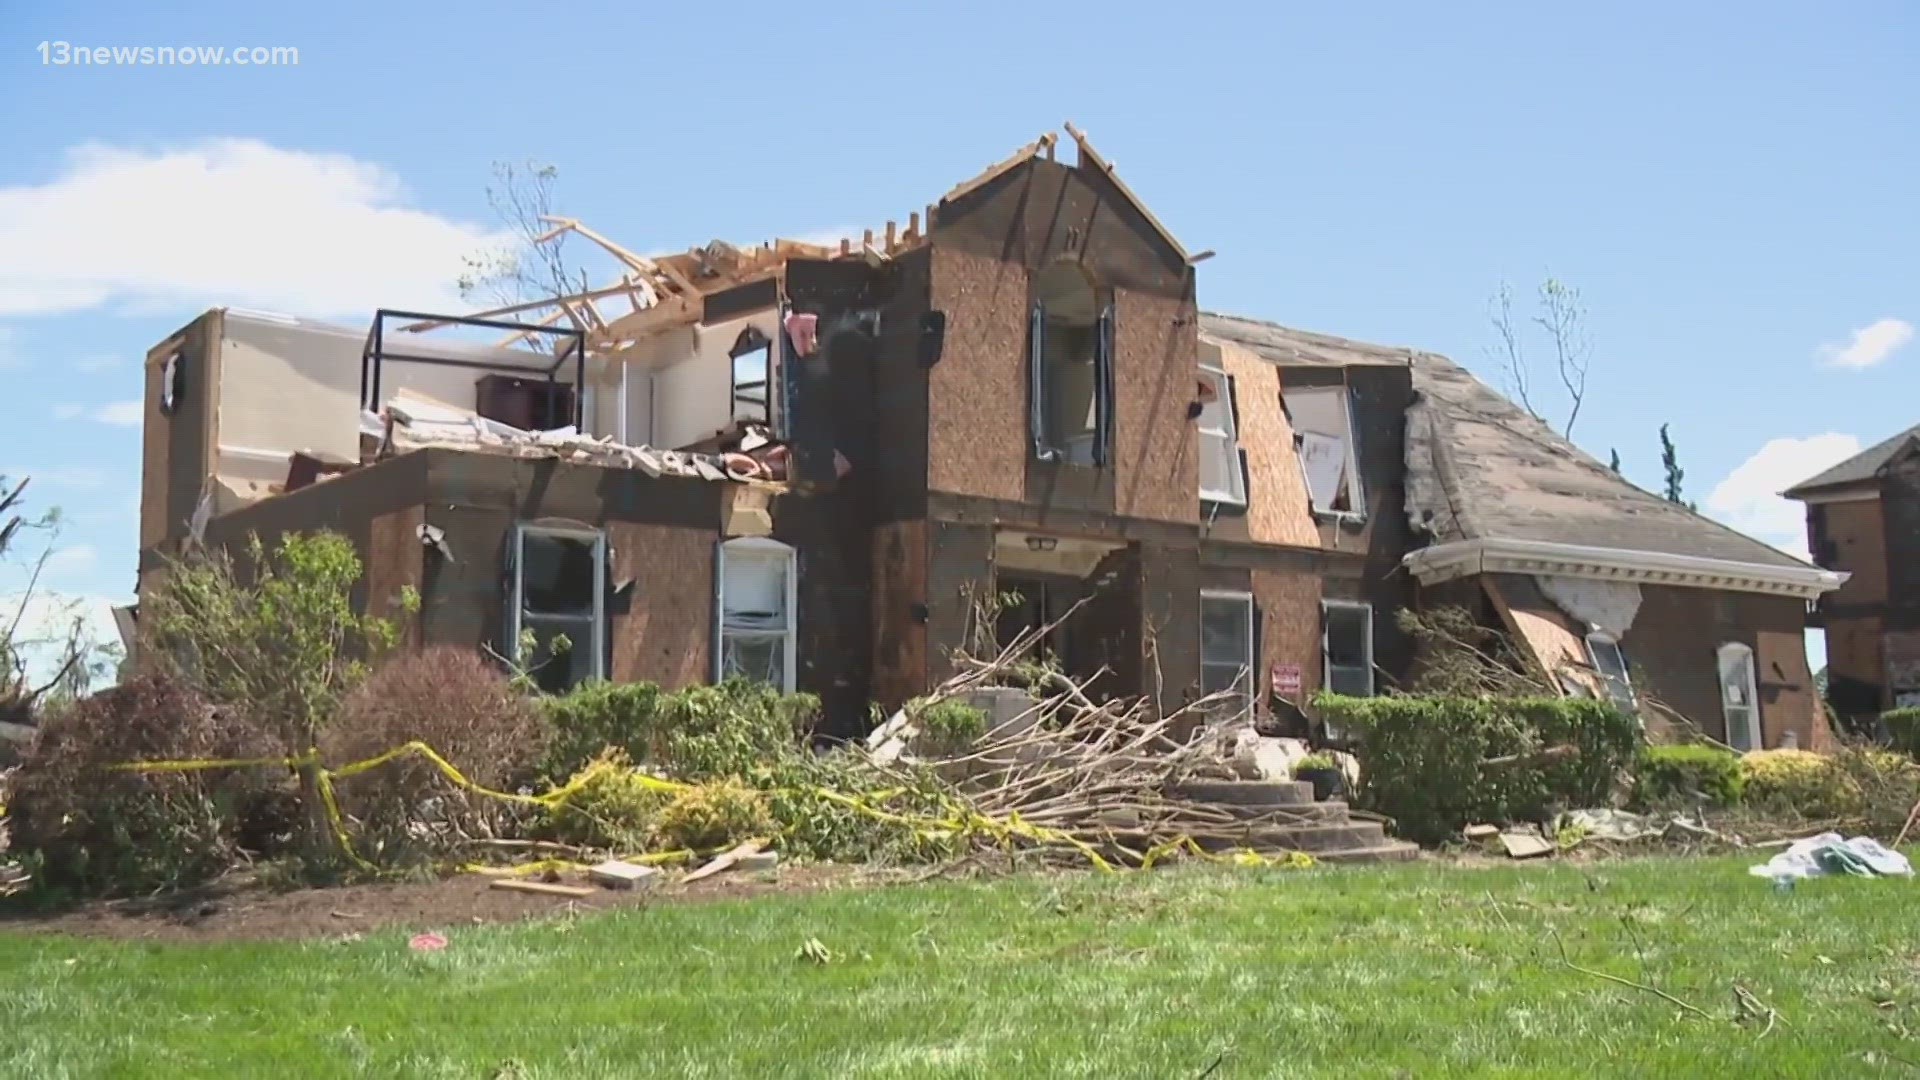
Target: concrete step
<point x="1313" y="839"/>
<point x="1246" y="792"/>
<point x="1333" y="812"/>
<point x="1391" y="851"/>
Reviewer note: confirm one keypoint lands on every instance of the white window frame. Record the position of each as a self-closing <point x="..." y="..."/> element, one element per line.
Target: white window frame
<point x="1619" y="692"/>
<point x="1327" y="607"/>
<point x="1356" y="490"/>
<point x="596" y="643"/>
<point x="757" y="548"/>
<point x="1223" y="387"/>
<point x="1245" y="681"/>
<point x="1742" y="653"/>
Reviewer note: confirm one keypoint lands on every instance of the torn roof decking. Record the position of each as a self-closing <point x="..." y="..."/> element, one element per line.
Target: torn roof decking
<point x="1479" y="466"/>
<point x="665" y="291"/>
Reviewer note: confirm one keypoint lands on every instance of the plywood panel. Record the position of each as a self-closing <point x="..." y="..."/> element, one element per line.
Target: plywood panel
<point x="1156" y="446"/>
<point x="977" y="394"/>
<point x="666" y="634"/>
<point x="1548" y="636"/>
<point x="899" y="588"/>
<point x="1289" y="602"/>
<point x="1279" y="510"/>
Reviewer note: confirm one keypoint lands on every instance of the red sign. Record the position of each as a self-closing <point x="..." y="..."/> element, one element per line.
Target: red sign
<point x="1286" y="679"/>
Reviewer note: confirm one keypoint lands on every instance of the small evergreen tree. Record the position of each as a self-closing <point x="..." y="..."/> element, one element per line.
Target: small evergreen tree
<point x="1671" y="462"/>
<point x="1613" y="460"/>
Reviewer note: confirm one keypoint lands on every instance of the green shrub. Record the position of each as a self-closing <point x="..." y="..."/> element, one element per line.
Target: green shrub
<point x="1903" y="730"/>
<point x="1799" y="781"/>
<point x="1424" y="760"/>
<point x="1686" y="774"/>
<point x="948" y="725"/>
<point x="1315" y="762"/>
<point x="609" y="805"/>
<point x="690" y="734"/>
<point x="716" y="814"/>
<point x="94" y="830"/>
<point x="1888" y="782"/>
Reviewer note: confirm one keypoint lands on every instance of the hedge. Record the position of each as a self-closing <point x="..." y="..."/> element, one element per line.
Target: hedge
<point x="1424" y="761"/>
<point x="1903" y="730"/>
<point x="1685" y="774"/>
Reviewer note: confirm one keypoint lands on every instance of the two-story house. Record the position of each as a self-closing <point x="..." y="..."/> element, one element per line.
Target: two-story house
<point x="1863" y="518"/>
<point x="831" y="468"/>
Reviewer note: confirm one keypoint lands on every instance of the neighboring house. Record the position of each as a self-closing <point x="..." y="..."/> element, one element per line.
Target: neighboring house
<point x="885" y="452"/>
<point x="1863" y="518"/>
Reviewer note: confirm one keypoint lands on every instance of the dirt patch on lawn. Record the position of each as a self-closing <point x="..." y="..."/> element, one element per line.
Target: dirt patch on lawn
<point x="245" y="912"/>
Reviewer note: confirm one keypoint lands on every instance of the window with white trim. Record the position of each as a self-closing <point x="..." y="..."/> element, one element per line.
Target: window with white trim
<point x="754" y="636"/>
<point x="1223" y="472"/>
<point x="1739" y="696"/>
<point x="1323" y="428"/>
<point x="1226" y="645"/>
<point x="1607" y="659"/>
<point x="1346" y="647"/>
<point x="559" y="601"/>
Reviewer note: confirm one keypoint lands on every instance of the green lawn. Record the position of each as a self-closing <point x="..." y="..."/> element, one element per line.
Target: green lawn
<point x="1340" y="972"/>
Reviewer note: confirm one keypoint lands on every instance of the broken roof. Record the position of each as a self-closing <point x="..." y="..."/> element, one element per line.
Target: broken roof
<point x="1865" y="465"/>
<point x="1481" y="467"/>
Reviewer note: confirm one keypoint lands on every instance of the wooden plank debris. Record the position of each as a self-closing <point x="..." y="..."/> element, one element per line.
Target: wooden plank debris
<point x="616" y="874"/>
<point x="542" y="888"/>
<point x="725" y="862"/>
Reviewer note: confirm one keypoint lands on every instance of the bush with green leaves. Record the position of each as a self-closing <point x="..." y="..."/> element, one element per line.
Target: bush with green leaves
<point x="1315" y="762"/>
<point x="1688" y="774"/>
<point x="1433" y="764"/>
<point x="1801" y="782"/>
<point x="608" y="804"/>
<point x="689" y="734"/>
<point x="714" y="814"/>
<point x="1903" y="730"/>
<point x="948" y="725"/>
<point x="91" y="829"/>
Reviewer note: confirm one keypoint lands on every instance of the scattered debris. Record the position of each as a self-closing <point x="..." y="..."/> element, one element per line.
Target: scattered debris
<point x="724" y="862"/>
<point x="759" y="860"/>
<point x="1829" y="853"/>
<point x="426" y="943"/>
<point x="543" y="888"/>
<point x="1525" y="845"/>
<point x="1480" y="833"/>
<point x="813" y="949"/>
<point x="615" y="874"/>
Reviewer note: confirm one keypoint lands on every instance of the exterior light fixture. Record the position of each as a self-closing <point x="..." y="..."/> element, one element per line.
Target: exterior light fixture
<point x="1042" y="543"/>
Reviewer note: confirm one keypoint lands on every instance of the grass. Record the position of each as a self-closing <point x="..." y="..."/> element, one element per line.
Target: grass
<point x="1431" y="969"/>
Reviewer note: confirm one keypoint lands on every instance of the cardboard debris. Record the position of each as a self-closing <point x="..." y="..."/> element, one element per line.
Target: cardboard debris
<point x="1521" y="845"/>
<point x="615" y="874"/>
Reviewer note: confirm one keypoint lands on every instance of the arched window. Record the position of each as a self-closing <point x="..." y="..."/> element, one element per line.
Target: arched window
<point x="1071" y="344"/>
<point x="1739" y="697"/>
<point x="755" y="579"/>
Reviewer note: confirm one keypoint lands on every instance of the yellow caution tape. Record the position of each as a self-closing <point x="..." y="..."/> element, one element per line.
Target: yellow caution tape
<point x="961" y="820"/>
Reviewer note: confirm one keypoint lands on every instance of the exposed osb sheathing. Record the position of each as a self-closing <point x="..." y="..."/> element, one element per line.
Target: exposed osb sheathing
<point x="1279" y="510"/>
<point x="1553" y="640"/>
<point x="1289" y="602"/>
<point x="1156" y="451"/>
<point x="665" y="636"/>
<point x="899" y="587"/>
<point x="977" y="394"/>
<point x="1787" y="700"/>
<point x="1858" y="532"/>
<point x="395" y="560"/>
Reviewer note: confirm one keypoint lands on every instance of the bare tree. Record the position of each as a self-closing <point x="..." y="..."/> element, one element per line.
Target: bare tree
<point x="535" y="264"/>
<point x="61" y="638"/>
<point x="1561" y="316"/>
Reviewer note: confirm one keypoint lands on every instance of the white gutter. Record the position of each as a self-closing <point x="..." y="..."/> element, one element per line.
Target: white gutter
<point x="1464" y="558"/>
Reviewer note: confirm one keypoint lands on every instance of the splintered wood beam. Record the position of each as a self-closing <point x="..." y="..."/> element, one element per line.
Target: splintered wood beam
<point x="636" y="262"/>
<point x="548" y="319"/>
<point x="670" y="311"/>
<point x="515" y="309"/>
<point x="890" y="238"/>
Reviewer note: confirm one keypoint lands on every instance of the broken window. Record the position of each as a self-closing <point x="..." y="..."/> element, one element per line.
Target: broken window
<point x="1607" y="659"/>
<point x="1070" y="368"/>
<point x="1226" y="645"/>
<point x="559" y="601"/>
<point x="1223" y="474"/>
<point x="756" y="631"/>
<point x="1323" y="431"/>
<point x="752" y="357"/>
<point x="1738" y="696"/>
<point x="172" y="382"/>
<point x="1346" y="646"/>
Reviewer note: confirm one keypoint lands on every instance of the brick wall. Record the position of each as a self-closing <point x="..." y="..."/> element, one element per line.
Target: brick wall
<point x="1676" y="634"/>
<point x="1857" y="535"/>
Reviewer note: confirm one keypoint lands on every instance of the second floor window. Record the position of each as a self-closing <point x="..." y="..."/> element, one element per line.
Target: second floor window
<point x="1070" y="369"/>
<point x="752" y="357"/>
<point x="1223" y="472"/>
<point x="1323" y="431"/>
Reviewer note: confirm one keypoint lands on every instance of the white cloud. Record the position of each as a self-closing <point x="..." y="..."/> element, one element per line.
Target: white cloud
<point x="121" y="413"/>
<point x="231" y="221"/>
<point x="1749" y="498"/>
<point x="67" y="411"/>
<point x="94" y="365"/>
<point x="73" y="559"/>
<point x="1869" y="345"/>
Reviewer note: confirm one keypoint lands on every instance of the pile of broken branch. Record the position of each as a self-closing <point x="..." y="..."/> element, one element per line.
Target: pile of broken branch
<point x="1071" y="775"/>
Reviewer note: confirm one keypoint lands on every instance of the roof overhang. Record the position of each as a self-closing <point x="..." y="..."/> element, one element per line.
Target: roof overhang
<point x="1465" y="558"/>
<point x="1854" y="491"/>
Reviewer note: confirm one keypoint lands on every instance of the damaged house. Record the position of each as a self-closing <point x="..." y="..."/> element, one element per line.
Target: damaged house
<point x="830" y="467"/>
<point x="1863" y="519"/>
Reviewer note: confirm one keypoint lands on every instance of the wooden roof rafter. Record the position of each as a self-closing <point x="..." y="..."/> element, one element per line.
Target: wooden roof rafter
<point x="1044" y="144"/>
<point x="1089" y="157"/>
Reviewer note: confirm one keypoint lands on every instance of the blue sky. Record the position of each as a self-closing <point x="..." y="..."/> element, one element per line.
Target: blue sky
<point x="1733" y="195"/>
